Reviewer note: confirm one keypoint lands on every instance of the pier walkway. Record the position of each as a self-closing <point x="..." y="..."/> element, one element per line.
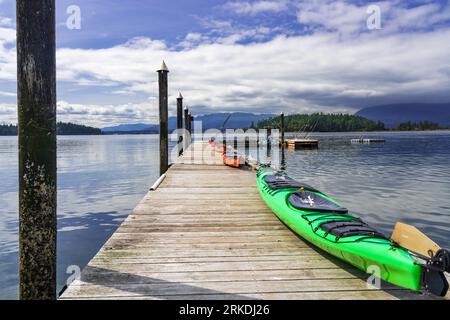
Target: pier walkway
<point x="205" y="233"/>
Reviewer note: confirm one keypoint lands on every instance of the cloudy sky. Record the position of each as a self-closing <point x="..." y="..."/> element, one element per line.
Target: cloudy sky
<point x="257" y="56"/>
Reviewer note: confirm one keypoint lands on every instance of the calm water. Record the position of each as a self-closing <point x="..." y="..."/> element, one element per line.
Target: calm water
<point x="101" y="179"/>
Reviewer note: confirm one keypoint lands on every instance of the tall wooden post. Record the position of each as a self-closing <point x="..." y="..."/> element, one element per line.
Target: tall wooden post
<point x="180" y="123"/>
<point x="186" y="128"/>
<point x="191" y="126"/>
<point x="269" y="143"/>
<point x="163" y="119"/>
<point x="224" y="142"/>
<point x="191" y="132"/>
<point x="36" y="100"/>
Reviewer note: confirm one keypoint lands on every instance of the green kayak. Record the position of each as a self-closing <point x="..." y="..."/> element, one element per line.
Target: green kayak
<point x="326" y="224"/>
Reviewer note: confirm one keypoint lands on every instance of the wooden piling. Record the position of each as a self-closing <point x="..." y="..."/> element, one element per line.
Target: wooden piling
<point x="186" y="128"/>
<point x="192" y="126"/>
<point x="180" y="123"/>
<point x="283" y="154"/>
<point x="36" y="100"/>
<point x="163" y="119"/>
<point x="224" y="142"/>
<point x="191" y="120"/>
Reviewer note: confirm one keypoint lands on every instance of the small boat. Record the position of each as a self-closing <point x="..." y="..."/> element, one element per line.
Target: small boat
<point x="326" y="224"/>
<point x="233" y="159"/>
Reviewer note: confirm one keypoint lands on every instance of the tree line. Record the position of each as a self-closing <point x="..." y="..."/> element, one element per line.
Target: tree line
<point x="320" y="122"/>
<point x="418" y="126"/>
<point x="64" y="129"/>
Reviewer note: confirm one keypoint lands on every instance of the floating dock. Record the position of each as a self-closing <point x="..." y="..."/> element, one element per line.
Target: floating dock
<point x="367" y="141"/>
<point x="302" y="143"/>
<point x="205" y="233"/>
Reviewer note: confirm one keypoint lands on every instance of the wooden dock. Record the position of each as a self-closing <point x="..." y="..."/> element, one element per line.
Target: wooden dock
<point x="205" y="233"/>
<point x="302" y="143"/>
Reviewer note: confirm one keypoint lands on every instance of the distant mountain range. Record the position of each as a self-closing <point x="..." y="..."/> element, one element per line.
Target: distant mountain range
<point x="126" y="128"/>
<point x="394" y="114"/>
<point x="237" y="120"/>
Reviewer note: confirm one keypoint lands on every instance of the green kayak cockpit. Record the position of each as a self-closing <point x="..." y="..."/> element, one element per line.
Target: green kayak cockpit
<point x="312" y="201"/>
<point x="279" y="181"/>
<point x="329" y="216"/>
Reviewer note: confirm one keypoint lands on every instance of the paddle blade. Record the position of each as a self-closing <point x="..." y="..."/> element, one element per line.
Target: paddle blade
<point x="411" y="238"/>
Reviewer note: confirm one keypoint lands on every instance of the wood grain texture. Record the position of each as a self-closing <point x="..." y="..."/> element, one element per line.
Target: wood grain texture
<point x="206" y="234"/>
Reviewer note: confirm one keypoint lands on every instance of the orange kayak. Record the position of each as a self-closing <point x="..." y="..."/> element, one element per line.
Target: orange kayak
<point x="233" y="160"/>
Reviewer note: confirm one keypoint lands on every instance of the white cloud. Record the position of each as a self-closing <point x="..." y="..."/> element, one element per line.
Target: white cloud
<point x="107" y="115"/>
<point x="347" y="18"/>
<point x="194" y="39"/>
<point x="7" y="53"/>
<point x="8" y="113"/>
<point x="6" y="22"/>
<point x="7" y="94"/>
<point x="255" y="7"/>
<point x="332" y="15"/>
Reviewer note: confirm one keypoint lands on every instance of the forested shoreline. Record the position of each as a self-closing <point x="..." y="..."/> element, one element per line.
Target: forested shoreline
<point x="63" y="129"/>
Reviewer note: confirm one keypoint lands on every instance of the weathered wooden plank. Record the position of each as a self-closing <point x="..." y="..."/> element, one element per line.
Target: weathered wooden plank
<point x="220" y="287"/>
<point x="167" y="210"/>
<point x="175" y="238"/>
<point x="325" y="295"/>
<point x="114" y="254"/>
<point x="180" y="207"/>
<point x="205" y="218"/>
<point x="198" y="190"/>
<point x="199" y="197"/>
<point x="211" y="246"/>
<point x="207" y="257"/>
<point x="267" y="246"/>
<point x="217" y="233"/>
<point x="212" y="203"/>
<point x="306" y="263"/>
<point x="105" y="276"/>
<point x="198" y="229"/>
